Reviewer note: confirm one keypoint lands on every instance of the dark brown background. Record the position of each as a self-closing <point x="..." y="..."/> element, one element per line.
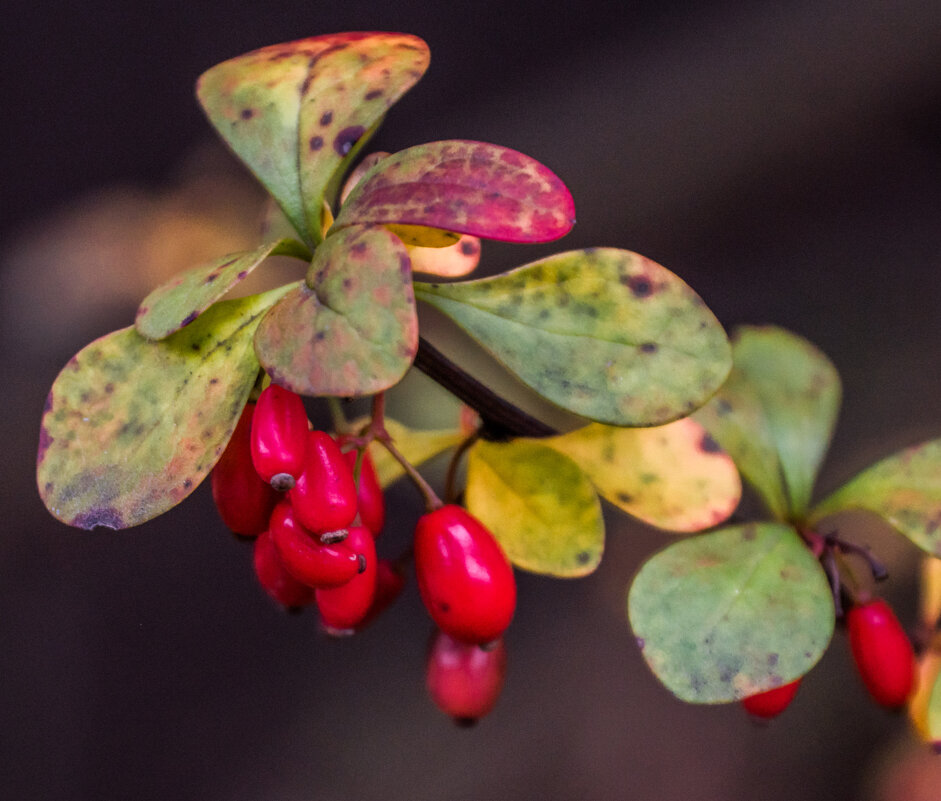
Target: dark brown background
<point x="784" y="159"/>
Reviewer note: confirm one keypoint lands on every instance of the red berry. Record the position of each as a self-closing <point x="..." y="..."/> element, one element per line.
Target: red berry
<point x="465" y="680"/>
<point x="244" y="501"/>
<point x="371" y="503"/>
<point x="324" y="497"/>
<point x="274" y="577"/>
<point x="882" y="652"/>
<point x="771" y="703"/>
<point x="307" y="558"/>
<point x="465" y="580"/>
<point x="343" y="608"/>
<point x="279" y="436"/>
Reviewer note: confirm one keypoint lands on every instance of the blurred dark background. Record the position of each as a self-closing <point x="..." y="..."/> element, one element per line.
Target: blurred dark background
<point x="784" y="159"/>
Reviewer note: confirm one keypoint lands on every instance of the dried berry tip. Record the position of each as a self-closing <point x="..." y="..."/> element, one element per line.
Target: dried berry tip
<point x="333" y="537"/>
<point x="465" y="723"/>
<point x="282" y="482"/>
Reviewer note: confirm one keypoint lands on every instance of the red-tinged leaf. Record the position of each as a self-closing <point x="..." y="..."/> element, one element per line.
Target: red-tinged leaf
<point x="467" y="187"/>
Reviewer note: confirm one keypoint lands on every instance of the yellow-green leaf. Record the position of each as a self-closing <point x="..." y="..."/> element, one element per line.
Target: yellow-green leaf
<point x="416" y="445"/>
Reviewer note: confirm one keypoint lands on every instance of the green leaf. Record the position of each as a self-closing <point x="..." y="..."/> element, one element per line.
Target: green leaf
<point x="674" y="477"/>
<point x="352" y="329"/>
<point x="775" y="415"/>
<point x="538" y="503"/>
<point x="724" y="615"/>
<point x="297" y="113"/>
<point x="416" y="445"/>
<point x="603" y="333"/>
<point x="132" y="426"/>
<point x="468" y="187"/>
<point x="904" y="489"/>
<point x="181" y="300"/>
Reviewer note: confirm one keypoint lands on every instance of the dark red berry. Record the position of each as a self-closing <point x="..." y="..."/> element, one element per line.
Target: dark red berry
<point x="343" y="608"/>
<point x="465" y="680"/>
<point x="308" y="559"/>
<point x="390" y="581"/>
<point x="882" y="651"/>
<point x="771" y="703"/>
<point x="274" y="577"/>
<point x="370" y="501"/>
<point x="465" y="580"/>
<point x="279" y="436"/>
<point x="244" y="501"/>
<point x="324" y="497"/>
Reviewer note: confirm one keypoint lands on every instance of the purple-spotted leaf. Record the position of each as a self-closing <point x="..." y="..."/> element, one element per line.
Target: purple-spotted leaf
<point x="132" y="426"/>
<point x="728" y="614"/>
<point x="904" y="489"/>
<point x="351" y="329"/>
<point x="674" y="477"/>
<point x="467" y="187"/>
<point x="540" y="506"/>
<point x="181" y="300"/>
<point x="298" y="113"/>
<point x="603" y="333"/>
<point x="775" y="414"/>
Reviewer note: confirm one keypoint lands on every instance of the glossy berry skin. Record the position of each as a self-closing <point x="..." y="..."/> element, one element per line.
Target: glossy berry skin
<point x="464" y="680"/>
<point x="243" y="500"/>
<point x="279" y="436"/>
<point x="343" y="608"/>
<point x="274" y="577"/>
<point x="324" y="497"/>
<point x="882" y="651"/>
<point x="369" y="497"/>
<point x="771" y="703"/>
<point x="305" y="557"/>
<point x="465" y="580"/>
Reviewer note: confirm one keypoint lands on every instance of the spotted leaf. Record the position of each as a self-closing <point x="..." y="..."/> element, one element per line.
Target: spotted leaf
<point x="603" y="333"/>
<point x="132" y="426"/>
<point x="674" y="476"/>
<point x="181" y="300"/>
<point x="775" y="414"/>
<point x="351" y="329"/>
<point x="467" y="187"/>
<point x="298" y="113"/>
<point x="724" y="615"/>
<point x="904" y="489"/>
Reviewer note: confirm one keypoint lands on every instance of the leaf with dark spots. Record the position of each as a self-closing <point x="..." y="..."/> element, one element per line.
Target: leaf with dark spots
<point x="724" y="616"/>
<point x="183" y="298"/>
<point x="660" y="475"/>
<point x="352" y="329"/>
<point x="300" y="106"/>
<point x="468" y="187"/>
<point x="135" y="425"/>
<point x="904" y="489"/>
<point x="590" y="354"/>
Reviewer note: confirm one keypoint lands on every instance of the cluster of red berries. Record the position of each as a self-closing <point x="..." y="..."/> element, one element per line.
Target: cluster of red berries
<point x="293" y="489"/>
<point x="883" y="654"/>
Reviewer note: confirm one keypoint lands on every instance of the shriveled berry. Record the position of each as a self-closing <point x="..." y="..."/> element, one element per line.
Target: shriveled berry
<point x="464" y="680"/>
<point x="882" y="651"/>
<point x="243" y="500"/>
<point x="308" y="559"/>
<point x="274" y="577"/>
<point x="279" y="436"/>
<point x="324" y="497"/>
<point x="370" y="500"/>
<point x="343" y="608"/>
<point x="465" y="579"/>
<point x="771" y="703"/>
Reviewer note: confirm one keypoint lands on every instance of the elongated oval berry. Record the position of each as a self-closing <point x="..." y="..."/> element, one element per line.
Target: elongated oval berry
<point x="369" y="497"/>
<point x="243" y="500"/>
<point x="771" y="703"/>
<point x="882" y="651"/>
<point x="343" y="608"/>
<point x="308" y="559"/>
<point x="274" y="577"/>
<point x="464" y="680"/>
<point x="465" y="579"/>
<point x="324" y="497"/>
<point x="279" y="436"/>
